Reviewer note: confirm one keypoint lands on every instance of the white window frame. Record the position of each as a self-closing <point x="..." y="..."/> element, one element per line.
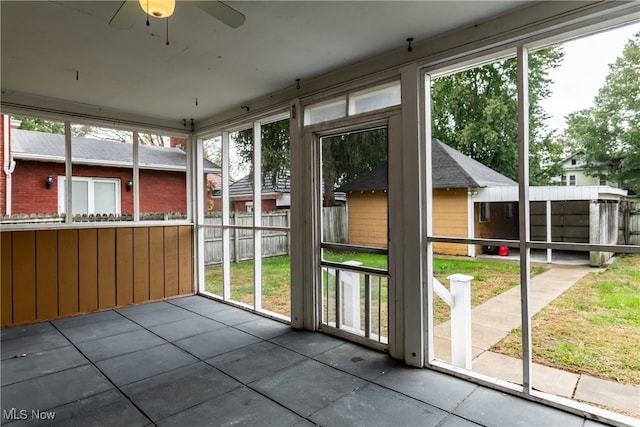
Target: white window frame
<point x="347" y="102"/>
<point x="252" y="207"/>
<point x="572" y="181"/>
<point x="90" y="192"/>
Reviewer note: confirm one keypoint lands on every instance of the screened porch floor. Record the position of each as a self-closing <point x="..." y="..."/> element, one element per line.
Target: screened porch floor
<point x="193" y="361"/>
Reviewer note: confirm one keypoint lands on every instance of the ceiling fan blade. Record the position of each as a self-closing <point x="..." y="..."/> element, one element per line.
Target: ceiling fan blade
<point x="222" y="12"/>
<point x="126" y="15"/>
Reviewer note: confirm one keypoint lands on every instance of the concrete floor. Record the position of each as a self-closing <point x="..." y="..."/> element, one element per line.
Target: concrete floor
<point x="192" y="361"/>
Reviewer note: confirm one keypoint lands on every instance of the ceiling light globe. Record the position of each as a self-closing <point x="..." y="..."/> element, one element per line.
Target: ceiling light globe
<point x="158" y="8"/>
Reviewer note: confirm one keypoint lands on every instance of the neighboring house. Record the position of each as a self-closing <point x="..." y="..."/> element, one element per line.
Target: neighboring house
<point x="575" y="173"/>
<point x="102" y="172"/>
<point x="456" y="179"/>
<point x="274" y="195"/>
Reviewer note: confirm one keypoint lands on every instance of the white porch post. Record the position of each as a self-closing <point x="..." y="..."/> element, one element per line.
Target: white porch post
<point x="524" y="212"/>
<point x="411" y="239"/>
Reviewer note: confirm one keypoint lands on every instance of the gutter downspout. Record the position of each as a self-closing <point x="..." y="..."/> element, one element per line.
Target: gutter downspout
<point x="9" y="164"/>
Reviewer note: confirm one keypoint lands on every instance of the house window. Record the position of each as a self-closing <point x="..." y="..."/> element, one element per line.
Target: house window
<point x="485" y="212"/>
<point x="574" y="161"/>
<point x="602" y="180"/>
<point x="572" y="180"/>
<point x="91" y="196"/>
<point x="563" y="180"/>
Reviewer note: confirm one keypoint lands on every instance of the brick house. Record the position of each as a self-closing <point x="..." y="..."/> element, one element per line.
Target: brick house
<point x="274" y="196"/>
<point x="34" y="174"/>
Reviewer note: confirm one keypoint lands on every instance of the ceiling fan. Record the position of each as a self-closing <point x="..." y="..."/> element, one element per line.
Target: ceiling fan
<point x="129" y="12"/>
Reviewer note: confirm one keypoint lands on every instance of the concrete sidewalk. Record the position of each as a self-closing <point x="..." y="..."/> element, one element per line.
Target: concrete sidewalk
<point x="494" y="319"/>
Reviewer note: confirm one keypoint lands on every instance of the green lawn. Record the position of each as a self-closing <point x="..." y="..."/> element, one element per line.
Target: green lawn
<point x="490" y="279"/>
<point x="276" y="291"/>
<point x="593" y="328"/>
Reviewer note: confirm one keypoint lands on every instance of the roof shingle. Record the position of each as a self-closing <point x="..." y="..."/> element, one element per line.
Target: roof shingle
<point x="32" y="145"/>
<point x="451" y="169"/>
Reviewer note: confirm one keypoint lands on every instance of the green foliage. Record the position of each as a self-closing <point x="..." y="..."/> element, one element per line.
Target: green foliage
<point x="88" y="131"/>
<point x="39" y="125"/>
<point x="609" y="132"/>
<point x="276" y="159"/>
<point x="476" y="112"/>
<point x="346" y="156"/>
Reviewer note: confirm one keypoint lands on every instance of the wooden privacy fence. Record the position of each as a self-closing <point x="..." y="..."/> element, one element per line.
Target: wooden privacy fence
<point x="334" y="224"/>
<point x="629" y="224"/>
<point x="274" y="242"/>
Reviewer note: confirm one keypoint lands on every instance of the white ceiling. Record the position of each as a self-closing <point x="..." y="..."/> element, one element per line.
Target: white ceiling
<point x="44" y="43"/>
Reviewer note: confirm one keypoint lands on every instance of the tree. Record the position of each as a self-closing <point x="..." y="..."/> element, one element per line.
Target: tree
<point x="276" y="161"/>
<point x="39" y="125"/>
<point x="476" y="112"/>
<point x="88" y="131"/>
<point x="110" y="134"/>
<point x="609" y="132"/>
<point x="346" y="156"/>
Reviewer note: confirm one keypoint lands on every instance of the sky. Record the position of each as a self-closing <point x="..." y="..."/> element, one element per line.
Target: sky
<point x="583" y="72"/>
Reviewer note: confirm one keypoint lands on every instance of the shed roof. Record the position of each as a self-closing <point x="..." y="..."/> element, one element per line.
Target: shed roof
<point x="49" y="147"/>
<point x="451" y="169"/>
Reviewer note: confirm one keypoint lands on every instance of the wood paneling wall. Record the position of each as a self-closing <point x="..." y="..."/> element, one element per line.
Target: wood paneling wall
<point x="48" y="274"/>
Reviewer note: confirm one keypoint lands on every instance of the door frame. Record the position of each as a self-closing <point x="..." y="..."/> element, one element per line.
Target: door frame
<point x="312" y="205"/>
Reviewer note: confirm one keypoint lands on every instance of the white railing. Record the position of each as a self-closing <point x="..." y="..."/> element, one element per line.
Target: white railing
<point x="459" y="299"/>
<point x="343" y="305"/>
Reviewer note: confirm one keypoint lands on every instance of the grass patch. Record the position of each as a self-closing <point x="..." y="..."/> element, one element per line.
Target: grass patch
<point x="276" y="279"/>
<point x="367" y="260"/>
<point x="593" y="328"/>
<point x="490" y="279"/>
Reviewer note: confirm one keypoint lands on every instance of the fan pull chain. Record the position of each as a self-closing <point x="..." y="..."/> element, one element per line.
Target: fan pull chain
<point x="147" y="13"/>
<point x="167" y="42"/>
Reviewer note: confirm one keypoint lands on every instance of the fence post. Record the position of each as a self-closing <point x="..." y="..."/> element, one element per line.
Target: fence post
<point x="460" y="285"/>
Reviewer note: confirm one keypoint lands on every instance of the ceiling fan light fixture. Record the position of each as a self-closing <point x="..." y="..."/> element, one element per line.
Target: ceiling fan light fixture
<point x="158" y="8"/>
